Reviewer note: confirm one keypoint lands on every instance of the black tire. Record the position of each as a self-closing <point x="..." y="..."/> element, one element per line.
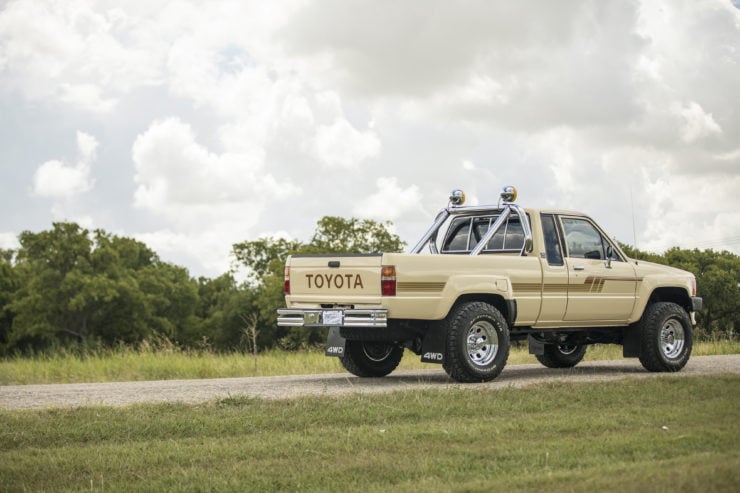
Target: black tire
<point x="477" y="343"/>
<point x="371" y="359"/>
<point x="563" y="355"/>
<point x="666" y="337"/>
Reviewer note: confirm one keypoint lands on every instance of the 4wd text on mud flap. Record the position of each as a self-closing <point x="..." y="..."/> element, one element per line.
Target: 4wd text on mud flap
<point x="433" y="356"/>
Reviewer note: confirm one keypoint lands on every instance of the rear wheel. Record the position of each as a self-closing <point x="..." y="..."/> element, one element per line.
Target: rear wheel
<point x="666" y="337"/>
<point x="477" y="343"/>
<point x="371" y="359"/>
<point x="563" y="355"/>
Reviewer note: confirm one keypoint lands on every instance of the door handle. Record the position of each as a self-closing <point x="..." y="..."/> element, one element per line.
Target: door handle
<point x="578" y="267"/>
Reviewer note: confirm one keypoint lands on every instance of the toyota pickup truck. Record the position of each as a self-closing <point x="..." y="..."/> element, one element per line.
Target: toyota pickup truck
<point x="483" y="276"/>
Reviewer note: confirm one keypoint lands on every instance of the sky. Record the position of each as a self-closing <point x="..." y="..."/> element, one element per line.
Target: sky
<point x="193" y="125"/>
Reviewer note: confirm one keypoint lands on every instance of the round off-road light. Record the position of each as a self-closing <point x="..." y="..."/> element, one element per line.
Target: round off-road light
<point x="457" y="197"/>
<point x="509" y="194"/>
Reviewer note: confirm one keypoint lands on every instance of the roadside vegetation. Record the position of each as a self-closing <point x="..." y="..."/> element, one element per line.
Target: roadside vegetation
<point x="663" y="434"/>
<point x="162" y="360"/>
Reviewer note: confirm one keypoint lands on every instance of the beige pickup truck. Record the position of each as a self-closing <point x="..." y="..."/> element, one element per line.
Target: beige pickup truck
<point x="483" y="276"/>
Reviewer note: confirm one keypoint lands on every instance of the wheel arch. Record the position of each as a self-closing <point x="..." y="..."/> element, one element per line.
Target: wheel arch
<point x="506" y="307"/>
<point x="671" y="294"/>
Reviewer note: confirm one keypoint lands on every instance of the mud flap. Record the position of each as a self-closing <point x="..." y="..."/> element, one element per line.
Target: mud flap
<point x="434" y="345"/>
<point x="334" y="343"/>
<point x="535" y="346"/>
<point x="631" y="342"/>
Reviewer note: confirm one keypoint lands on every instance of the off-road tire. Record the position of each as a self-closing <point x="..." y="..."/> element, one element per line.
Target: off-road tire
<point x="562" y="355"/>
<point x="666" y="337"/>
<point x="371" y="359"/>
<point x="477" y="342"/>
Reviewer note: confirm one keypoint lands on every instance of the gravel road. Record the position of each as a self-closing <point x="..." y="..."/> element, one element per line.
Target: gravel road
<point x="193" y="391"/>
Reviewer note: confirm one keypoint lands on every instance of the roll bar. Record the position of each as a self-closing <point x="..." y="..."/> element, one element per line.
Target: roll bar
<point x="455" y="208"/>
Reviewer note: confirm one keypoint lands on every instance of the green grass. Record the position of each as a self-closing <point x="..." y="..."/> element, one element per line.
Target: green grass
<point x="146" y="363"/>
<point x="663" y="434"/>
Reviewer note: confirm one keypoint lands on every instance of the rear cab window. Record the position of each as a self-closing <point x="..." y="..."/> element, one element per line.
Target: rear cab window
<point x="465" y="232"/>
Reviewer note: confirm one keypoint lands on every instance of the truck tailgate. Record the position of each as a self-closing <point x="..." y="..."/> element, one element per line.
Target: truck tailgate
<point x="339" y="278"/>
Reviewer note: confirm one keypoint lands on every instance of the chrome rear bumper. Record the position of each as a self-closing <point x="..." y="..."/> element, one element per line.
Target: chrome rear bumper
<point x="299" y="317"/>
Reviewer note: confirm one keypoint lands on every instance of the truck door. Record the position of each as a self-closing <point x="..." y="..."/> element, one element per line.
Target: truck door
<point x="597" y="289"/>
<point x="554" y="275"/>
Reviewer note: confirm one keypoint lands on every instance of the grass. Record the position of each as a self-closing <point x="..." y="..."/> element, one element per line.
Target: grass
<point x="664" y="434"/>
<point x="147" y="363"/>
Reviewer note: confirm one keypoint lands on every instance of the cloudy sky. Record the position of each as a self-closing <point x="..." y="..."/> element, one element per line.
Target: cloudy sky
<point x="191" y="125"/>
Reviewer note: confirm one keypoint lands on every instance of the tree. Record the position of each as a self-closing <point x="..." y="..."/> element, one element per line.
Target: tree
<point x="50" y="266"/>
<point x="8" y="286"/>
<point x="75" y="285"/>
<point x="338" y="235"/>
<point x="265" y="259"/>
<point x="222" y="306"/>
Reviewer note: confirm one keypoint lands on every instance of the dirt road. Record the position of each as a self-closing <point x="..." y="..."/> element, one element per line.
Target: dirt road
<point x="192" y="391"/>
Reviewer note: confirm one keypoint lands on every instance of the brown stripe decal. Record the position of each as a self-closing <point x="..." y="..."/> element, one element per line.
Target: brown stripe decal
<point x="526" y="287"/>
<point x="420" y="287"/>
<point x="591" y="284"/>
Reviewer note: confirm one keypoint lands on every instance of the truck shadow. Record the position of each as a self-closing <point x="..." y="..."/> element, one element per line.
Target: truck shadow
<point x="518" y="373"/>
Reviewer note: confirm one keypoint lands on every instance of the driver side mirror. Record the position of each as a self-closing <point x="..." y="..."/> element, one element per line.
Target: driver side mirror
<point x="609" y="253"/>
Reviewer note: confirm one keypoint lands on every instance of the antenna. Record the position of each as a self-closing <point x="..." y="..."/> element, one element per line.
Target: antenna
<point x="634" y="230"/>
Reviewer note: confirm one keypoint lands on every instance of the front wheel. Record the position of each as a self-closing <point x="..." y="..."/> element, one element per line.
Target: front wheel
<point x="477" y="343"/>
<point x="666" y="337"/>
<point x="371" y="359"/>
<point x="562" y="355"/>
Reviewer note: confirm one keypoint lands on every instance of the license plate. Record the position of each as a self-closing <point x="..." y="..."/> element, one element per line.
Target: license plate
<point x="332" y="318"/>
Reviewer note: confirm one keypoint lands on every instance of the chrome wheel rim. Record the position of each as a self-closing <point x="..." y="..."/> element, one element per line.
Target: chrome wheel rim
<point x="482" y="343"/>
<point x="567" y="349"/>
<point x="377" y="352"/>
<point x="672" y="338"/>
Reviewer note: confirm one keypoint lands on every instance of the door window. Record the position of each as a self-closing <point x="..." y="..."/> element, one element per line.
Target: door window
<point x="583" y="239"/>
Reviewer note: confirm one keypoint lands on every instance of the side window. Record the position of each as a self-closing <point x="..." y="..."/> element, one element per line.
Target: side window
<point x="509" y="237"/>
<point x="552" y="241"/>
<point x="457" y="237"/>
<point x="465" y="232"/>
<point x="583" y="239"/>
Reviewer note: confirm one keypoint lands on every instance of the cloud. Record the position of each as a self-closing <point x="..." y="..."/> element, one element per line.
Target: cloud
<point x="72" y="51"/>
<point x="697" y="124"/>
<point x="212" y="200"/>
<point x="55" y="179"/>
<point x="340" y="145"/>
<point x="173" y="171"/>
<point x="390" y="201"/>
<point x="9" y="241"/>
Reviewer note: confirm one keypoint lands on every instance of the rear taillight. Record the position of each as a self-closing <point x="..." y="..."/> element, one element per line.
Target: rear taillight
<point x="693" y="286"/>
<point x="287" y="280"/>
<point x="388" y="280"/>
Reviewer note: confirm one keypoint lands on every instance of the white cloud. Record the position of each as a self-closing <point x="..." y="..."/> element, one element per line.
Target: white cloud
<point x="9" y="241"/>
<point x="86" y="96"/>
<point x="55" y="179"/>
<point x="667" y="224"/>
<point x="697" y="124"/>
<point x="84" y="55"/>
<point x="390" y="201"/>
<point x="340" y="145"/>
<point x="213" y="200"/>
<point x="174" y="171"/>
